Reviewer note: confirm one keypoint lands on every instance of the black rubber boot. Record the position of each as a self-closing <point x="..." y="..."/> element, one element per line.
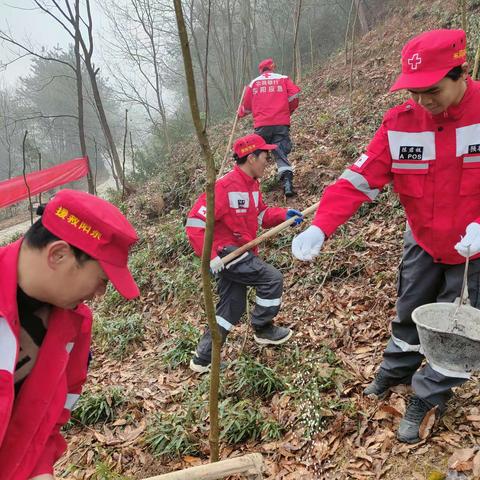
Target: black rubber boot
<point x="287" y="180"/>
<point x="382" y="383"/>
<point x="272" y="335"/>
<point x="409" y="428"/>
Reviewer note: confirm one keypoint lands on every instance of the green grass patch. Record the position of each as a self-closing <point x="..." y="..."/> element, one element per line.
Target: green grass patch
<point x="170" y="435"/>
<point x="179" y="348"/>
<point x="243" y="421"/>
<point x="118" y="335"/>
<point x="253" y="378"/>
<point x="314" y="380"/>
<point x="94" y="407"/>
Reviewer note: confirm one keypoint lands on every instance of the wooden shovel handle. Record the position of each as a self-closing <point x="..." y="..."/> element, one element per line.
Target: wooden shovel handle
<point x="268" y="234"/>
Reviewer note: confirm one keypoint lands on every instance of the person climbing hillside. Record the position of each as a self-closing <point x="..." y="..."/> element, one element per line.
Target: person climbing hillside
<point x="271" y="98"/>
<point x="66" y="258"/>
<point x="429" y="147"/>
<point x="239" y="211"/>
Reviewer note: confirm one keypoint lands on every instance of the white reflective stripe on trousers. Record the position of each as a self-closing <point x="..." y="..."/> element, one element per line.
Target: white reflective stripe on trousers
<point x="449" y="373"/>
<point x="8" y="347"/>
<point x="268" y="302"/>
<point x="71" y="400"/>
<point x="224" y="323"/>
<point x="406" y="347"/>
<point x="284" y="169"/>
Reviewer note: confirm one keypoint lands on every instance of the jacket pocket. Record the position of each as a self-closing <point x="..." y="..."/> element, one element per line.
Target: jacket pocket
<point x="409" y="178"/>
<point x="470" y="181"/>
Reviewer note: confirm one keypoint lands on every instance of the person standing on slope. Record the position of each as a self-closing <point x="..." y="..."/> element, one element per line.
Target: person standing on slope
<point x="429" y="148"/>
<point x="271" y="98"/>
<point x="239" y="211"/>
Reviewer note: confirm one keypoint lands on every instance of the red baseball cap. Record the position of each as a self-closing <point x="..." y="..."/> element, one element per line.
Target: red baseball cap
<point x="267" y="64"/>
<point x="248" y="144"/>
<point x="97" y="228"/>
<point x="428" y="57"/>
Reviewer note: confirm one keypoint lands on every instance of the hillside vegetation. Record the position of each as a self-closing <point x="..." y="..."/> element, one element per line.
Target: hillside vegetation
<point x="144" y="413"/>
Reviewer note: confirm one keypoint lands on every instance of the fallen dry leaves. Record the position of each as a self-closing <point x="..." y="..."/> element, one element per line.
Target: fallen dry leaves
<point x="344" y="301"/>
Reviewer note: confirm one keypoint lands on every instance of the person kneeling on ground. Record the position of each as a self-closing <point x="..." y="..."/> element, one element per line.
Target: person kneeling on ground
<point x="66" y="258"/>
<point x="239" y="210"/>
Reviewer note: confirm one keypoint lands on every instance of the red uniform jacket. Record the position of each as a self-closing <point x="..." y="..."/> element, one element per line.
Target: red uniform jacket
<point x="271" y="98"/>
<point x="434" y="164"/>
<point x="239" y="211"/>
<point x="30" y="440"/>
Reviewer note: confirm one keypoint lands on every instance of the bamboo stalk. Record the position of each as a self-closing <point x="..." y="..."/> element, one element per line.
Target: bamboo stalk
<point x="268" y="234"/>
<point x="249" y="465"/>
<point x="222" y="167"/>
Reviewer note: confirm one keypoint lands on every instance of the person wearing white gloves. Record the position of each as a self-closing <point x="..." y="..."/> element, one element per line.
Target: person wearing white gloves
<point x="429" y="148"/>
<point x="470" y="243"/>
<point x="239" y="211"/>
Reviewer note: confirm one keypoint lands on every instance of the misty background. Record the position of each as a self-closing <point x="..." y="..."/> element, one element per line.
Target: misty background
<point x="134" y="62"/>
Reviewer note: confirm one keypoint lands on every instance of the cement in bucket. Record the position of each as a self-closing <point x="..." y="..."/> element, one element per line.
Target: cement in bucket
<point x="451" y="345"/>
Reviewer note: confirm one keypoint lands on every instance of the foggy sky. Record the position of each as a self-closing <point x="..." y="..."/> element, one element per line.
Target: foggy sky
<point x="30" y="25"/>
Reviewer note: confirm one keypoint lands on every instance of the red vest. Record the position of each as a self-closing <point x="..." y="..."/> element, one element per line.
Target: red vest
<point x="239" y="211"/>
<point x="271" y="98"/>
<point x="434" y="164"/>
<point x="30" y="439"/>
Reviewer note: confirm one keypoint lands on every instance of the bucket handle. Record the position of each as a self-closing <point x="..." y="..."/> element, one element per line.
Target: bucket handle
<point x="463" y="300"/>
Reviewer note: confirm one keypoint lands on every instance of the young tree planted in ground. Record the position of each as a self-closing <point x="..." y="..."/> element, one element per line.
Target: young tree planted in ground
<point x="207" y="246"/>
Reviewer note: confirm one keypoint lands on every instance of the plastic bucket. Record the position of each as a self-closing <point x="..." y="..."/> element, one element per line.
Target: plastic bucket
<point x="456" y="349"/>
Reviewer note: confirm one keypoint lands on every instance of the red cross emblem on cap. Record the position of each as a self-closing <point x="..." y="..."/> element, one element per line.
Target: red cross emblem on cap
<point x="414" y="61"/>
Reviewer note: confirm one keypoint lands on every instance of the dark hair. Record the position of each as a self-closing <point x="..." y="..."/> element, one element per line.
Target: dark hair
<point x="242" y="160"/>
<point x="455" y="73"/>
<point x="38" y="237"/>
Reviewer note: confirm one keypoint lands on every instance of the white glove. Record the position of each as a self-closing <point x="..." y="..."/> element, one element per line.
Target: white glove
<point x="307" y="245"/>
<point x="471" y="238"/>
<point x="216" y="265"/>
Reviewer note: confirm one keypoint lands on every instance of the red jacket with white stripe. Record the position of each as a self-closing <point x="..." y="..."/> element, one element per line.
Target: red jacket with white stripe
<point x="434" y="164"/>
<point x="30" y="439"/>
<point x="271" y="98"/>
<point x="239" y="211"/>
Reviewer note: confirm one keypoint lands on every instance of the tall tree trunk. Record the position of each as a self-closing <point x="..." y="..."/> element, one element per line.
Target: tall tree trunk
<point x="310" y="37"/>
<point x="39" y="169"/>
<point x="124" y="151"/>
<point x="352" y="4"/>
<point x="92" y="73"/>
<point x="362" y="16"/>
<point x="297" y="73"/>
<point x="207" y="246"/>
<point x="79" y="82"/>
<point x="24" y="171"/>
<point x="104" y="123"/>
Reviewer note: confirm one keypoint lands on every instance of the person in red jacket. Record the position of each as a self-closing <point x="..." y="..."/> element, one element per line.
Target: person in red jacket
<point x="271" y="98"/>
<point x="239" y="211"/>
<point x="429" y="148"/>
<point x="66" y="258"/>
